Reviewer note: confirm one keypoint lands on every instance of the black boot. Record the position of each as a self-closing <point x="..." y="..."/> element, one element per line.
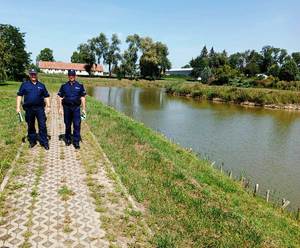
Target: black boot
<point x="32" y="144"/>
<point x="46" y="146"/>
<point x="76" y="145"/>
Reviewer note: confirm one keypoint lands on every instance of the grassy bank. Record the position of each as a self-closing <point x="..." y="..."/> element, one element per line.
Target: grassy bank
<point x="237" y="95"/>
<point x="11" y="131"/>
<point x="102" y="81"/>
<point x="188" y="203"/>
<point x="271" y="98"/>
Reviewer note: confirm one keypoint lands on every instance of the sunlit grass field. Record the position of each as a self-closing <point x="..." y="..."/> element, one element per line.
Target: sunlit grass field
<point x="11" y="131"/>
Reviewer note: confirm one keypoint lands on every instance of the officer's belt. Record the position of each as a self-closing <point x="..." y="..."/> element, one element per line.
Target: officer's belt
<point x="73" y="103"/>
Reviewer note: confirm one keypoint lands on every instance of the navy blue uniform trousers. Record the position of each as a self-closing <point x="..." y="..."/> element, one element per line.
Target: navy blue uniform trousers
<point x="72" y="115"/>
<point x="32" y="113"/>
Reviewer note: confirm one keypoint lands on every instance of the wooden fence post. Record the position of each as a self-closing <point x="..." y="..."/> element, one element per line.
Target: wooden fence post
<point x="243" y="181"/>
<point x="256" y="189"/>
<point x="285" y="203"/>
<point x="247" y="183"/>
<point x="268" y="195"/>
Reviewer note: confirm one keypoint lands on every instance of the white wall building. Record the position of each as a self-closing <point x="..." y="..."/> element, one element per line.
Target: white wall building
<point x="62" y="67"/>
<point x="179" y="71"/>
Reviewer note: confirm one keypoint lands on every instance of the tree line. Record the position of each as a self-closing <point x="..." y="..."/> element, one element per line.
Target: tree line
<point x="219" y="68"/>
<point x="143" y="57"/>
<point x="14" y="60"/>
<point x="147" y="58"/>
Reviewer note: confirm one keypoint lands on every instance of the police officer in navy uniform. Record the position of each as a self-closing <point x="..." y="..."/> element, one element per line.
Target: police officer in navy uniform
<point x="35" y="96"/>
<point x="71" y="97"/>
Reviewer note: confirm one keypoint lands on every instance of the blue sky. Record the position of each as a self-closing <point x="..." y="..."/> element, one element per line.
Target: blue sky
<point x="185" y="26"/>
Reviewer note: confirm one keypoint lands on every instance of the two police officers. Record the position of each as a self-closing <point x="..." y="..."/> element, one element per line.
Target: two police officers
<point x="36" y="97"/>
<point x="71" y="96"/>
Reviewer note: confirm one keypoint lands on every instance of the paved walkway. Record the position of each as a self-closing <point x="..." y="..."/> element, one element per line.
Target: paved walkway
<point x="51" y="205"/>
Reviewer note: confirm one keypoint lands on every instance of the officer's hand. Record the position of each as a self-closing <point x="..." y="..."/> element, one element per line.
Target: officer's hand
<point x="47" y="110"/>
<point x="18" y="110"/>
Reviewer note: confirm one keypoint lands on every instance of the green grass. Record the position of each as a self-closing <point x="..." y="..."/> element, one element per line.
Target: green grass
<point x="189" y="204"/>
<point x="53" y="81"/>
<point x="65" y="192"/>
<point x="258" y="96"/>
<point x="11" y="131"/>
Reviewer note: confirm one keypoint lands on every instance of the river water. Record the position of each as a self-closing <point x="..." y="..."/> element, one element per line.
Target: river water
<point x="260" y="144"/>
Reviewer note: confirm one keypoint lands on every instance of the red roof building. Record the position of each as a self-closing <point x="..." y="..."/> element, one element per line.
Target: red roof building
<point x="62" y="67"/>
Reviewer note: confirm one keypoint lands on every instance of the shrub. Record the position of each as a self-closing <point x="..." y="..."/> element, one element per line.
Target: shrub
<point x="197" y="93"/>
<point x="265" y="83"/>
<point x="289" y="71"/>
<point x="211" y="94"/>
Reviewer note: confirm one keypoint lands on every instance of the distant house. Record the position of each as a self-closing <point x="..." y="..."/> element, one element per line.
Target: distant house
<point x="261" y="75"/>
<point x="62" y="67"/>
<point x="179" y="71"/>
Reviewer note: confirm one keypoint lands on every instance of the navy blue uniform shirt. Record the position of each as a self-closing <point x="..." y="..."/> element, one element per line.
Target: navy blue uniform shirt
<point x="71" y="93"/>
<point x="34" y="94"/>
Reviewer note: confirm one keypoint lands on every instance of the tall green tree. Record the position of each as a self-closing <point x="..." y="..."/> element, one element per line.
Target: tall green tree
<point x="113" y="56"/>
<point x="154" y="60"/>
<point x="162" y="56"/>
<point x="149" y="59"/>
<point x="206" y="75"/>
<point x="252" y="69"/>
<point x="212" y="52"/>
<point x="45" y="55"/>
<point x="296" y="57"/>
<point x="237" y="61"/>
<point x="268" y="58"/>
<point x="198" y="64"/>
<point x="4" y="59"/>
<point x="224" y="74"/>
<point x="204" y="52"/>
<point x="85" y="55"/>
<point x="274" y="70"/>
<point x="282" y="56"/>
<point x="100" y="46"/>
<point x="289" y="70"/>
<point x="205" y="65"/>
<point x="217" y="60"/>
<point x="186" y="66"/>
<point x="76" y="57"/>
<point x="252" y="63"/>
<point x="130" y="56"/>
<point x="272" y="55"/>
<point x="17" y="59"/>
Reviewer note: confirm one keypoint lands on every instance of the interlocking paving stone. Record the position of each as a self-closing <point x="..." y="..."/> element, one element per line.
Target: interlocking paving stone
<point x="51" y="214"/>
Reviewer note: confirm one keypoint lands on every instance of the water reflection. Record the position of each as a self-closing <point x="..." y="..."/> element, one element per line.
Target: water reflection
<point x="264" y="144"/>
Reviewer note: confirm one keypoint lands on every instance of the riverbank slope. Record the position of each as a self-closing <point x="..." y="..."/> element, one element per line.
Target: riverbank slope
<point x="186" y="202"/>
<point x="269" y="98"/>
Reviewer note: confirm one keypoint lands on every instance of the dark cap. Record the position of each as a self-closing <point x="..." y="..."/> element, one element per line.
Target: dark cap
<point x="32" y="71"/>
<point x="71" y="72"/>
